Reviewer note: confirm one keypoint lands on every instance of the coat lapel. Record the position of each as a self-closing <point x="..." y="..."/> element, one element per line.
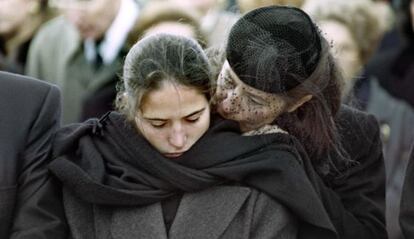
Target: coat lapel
<point x="139" y="222"/>
<point x="200" y="212"/>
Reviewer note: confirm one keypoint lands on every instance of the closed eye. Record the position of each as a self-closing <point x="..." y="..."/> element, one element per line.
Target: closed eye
<point x="194" y="117"/>
<point x="192" y="120"/>
<point x="255" y="101"/>
<point x="158" y="124"/>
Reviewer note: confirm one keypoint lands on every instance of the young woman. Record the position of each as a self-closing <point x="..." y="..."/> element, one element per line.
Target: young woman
<point x="278" y="71"/>
<point x="159" y="169"/>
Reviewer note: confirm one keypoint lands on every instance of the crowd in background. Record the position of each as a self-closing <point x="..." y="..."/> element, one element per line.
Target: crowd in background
<point x="80" y="46"/>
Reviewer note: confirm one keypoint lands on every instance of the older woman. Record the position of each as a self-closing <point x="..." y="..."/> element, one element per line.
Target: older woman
<point x="279" y="72"/>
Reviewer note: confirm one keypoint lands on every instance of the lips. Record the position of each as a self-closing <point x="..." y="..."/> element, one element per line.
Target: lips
<point x="173" y="155"/>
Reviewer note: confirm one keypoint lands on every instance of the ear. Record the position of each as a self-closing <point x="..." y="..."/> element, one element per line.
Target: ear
<point x="299" y="103"/>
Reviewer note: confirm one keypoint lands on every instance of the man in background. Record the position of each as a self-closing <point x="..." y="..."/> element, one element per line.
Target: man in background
<point x="82" y="52"/>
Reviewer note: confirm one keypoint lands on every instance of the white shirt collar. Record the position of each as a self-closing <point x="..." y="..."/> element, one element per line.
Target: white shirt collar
<point x="116" y="35"/>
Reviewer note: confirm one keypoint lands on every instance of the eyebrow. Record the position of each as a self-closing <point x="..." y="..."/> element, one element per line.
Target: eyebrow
<point x="189" y="115"/>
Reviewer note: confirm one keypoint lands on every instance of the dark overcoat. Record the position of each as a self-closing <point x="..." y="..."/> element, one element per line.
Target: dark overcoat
<point x="355" y="198"/>
<point x="221" y="212"/>
<point x="30" y="203"/>
<point x="407" y="201"/>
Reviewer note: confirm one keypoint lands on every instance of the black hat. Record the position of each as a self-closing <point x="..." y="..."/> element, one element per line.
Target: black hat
<point x="274" y="49"/>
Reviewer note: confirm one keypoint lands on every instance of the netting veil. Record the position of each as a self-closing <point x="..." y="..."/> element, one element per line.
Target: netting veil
<point x="274" y="49"/>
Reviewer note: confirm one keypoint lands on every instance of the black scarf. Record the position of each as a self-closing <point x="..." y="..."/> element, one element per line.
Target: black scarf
<point x="106" y="162"/>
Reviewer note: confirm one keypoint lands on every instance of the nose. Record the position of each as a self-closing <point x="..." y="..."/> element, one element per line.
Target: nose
<point x="178" y="137"/>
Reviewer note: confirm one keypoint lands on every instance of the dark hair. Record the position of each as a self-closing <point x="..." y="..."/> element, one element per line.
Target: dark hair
<point x="405" y="20"/>
<point x="313" y="123"/>
<point x="160" y="58"/>
<point x="280" y="50"/>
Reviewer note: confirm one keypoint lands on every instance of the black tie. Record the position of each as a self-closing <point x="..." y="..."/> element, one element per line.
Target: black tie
<point x="98" y="59"/>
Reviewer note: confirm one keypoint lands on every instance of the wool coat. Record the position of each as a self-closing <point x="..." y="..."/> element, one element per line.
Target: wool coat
<point x="218" y="212"/>
<point x="30" y="201"/>
<point x="407" y="206"/>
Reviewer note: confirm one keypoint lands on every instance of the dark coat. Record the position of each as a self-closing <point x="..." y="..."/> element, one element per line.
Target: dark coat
<point x="221" y="212"/>
<point x="30" y="202"/>
<point x="407" y="201"/>
<point x="355" y="199"/>
<point x="107" y="165"/>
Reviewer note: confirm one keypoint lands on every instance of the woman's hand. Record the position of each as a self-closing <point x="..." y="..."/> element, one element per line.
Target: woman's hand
<point x="266" y="129"/>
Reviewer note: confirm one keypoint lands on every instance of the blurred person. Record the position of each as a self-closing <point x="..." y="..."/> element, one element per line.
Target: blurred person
<point x="215" y="22"/>
<point x="82" y="53"/>
<point x="390" y="98"/>
<point x="248" y="5"/>
<point x="406" y="217"/>
<point x="354" y="31"/>
<point x="165" y="17"/>
<point x="279" y="71"/>
<point x="30" y="201"/>
<point x="19" y="21"/>
<point x="158" y="168"/>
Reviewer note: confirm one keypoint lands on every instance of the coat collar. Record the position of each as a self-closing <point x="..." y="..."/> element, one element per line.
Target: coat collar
<point x="196" y="215"/>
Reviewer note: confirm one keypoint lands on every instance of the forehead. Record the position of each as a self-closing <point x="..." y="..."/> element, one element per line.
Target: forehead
<point x="172" y="100"/>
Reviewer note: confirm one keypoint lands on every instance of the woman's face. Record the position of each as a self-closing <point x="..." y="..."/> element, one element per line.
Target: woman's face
<point x="173" y="118"/>
<point x="252" y="108"/>
<point x="345" y="49"/>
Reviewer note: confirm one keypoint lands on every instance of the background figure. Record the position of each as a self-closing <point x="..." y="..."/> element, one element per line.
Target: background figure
<point x="248" y="5"/>
<point x="215" y="21"/>
<point x="30" y="202"/>
<point x="19" y="21"/>
<point x="280" y="72"/>
<point x="165" y="17"/>
<point x="406" y="217"/>
<point x="82" y="53"/>
<point x="353" y="29"/>
<point x="390" y="98"/>
<point x="158" y="170"/>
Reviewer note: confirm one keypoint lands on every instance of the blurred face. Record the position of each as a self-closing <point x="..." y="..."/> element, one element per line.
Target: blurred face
<point x="92" y="18"/>
<point x="173" y="118"/>
<point x="201" y="5"/>
<point x="345" y="49"/>
<point x="10" y="19"/>
<point x="252" y="108"/>
<point x="248" y="5"/>
<point x="175" y="28"/>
